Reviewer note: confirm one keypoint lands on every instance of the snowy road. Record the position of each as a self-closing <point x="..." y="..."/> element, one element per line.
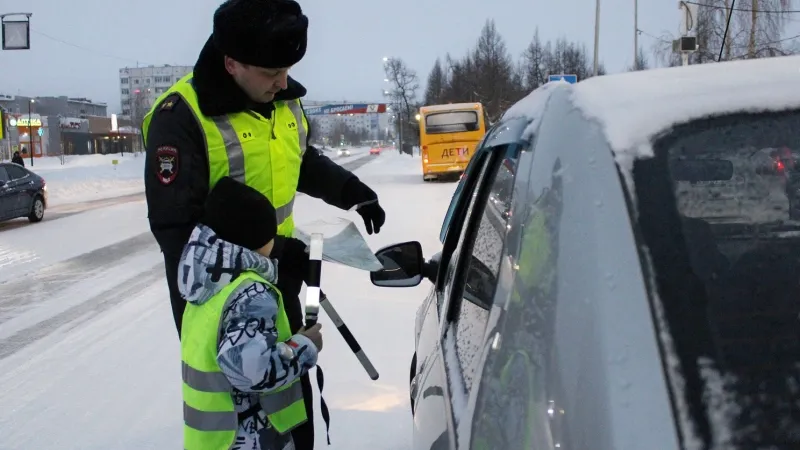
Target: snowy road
<point x="89" y="354"/>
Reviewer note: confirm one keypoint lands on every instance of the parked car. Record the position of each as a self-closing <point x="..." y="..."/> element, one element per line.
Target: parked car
<point x="343" y="152"/>
<point x="594" y="291"/>
<point x="22" y="193"/>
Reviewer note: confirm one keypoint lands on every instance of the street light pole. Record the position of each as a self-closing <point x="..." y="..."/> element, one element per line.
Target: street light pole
<point x="596" y="37"/>
<point x="31" y="142"/>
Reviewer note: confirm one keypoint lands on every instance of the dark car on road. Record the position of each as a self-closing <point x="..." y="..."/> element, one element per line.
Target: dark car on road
<point x="22" y="193"/>
<point x="619" y="270"/>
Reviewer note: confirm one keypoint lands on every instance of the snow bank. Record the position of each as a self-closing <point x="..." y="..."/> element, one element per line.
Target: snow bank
<point x="90" y="177"/>
<point x="93" y="177"/>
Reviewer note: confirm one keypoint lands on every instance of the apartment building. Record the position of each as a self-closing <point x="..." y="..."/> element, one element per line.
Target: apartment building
<point x="141" y="86"/>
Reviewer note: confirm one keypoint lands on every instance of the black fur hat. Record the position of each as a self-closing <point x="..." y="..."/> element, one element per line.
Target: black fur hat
<point x="240" y="214"/>
<point x="263" y="33"/>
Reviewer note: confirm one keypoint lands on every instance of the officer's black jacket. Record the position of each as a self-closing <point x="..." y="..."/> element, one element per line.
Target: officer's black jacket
<point x="175" y="208"/>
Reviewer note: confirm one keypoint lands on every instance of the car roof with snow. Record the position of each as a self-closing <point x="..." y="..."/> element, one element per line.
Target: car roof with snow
<point x="634" y="107"/>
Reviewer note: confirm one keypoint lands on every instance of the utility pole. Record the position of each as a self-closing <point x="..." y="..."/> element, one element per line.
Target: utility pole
<point x="636" y="34"/>
<point x="596" y="37"/>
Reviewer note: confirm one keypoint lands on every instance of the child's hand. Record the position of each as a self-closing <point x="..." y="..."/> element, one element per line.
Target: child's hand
<point x="315" y="334"/>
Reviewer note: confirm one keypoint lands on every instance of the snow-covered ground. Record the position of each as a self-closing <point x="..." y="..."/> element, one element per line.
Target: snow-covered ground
<point x="93" y="177"/>
<point x="89" y="357"/>
<point x="90" y="177"/>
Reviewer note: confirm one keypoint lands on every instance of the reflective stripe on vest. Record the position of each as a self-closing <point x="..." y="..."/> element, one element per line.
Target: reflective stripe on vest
<point x="210" y="418"/>
<point x="264" y="154"/>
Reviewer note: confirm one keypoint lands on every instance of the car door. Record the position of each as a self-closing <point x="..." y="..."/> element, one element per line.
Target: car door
<point x="473" y="283"/>
<point x="432" y="414"/>
<point x="437" y="390"/>
<point x="23" y="187"/>
<point x="7" y="199"/>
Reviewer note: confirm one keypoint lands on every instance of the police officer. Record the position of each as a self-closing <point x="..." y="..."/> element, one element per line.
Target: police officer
<point x="239" y="114"/>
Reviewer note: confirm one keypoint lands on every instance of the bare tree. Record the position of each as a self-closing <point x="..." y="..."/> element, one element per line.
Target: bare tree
<point x="641" y="62"/>
<point x="434" y="88"/>
<point x="139" y="107"/>
<point x="461" y="80"/>
<point x="767" y="19"/>
<point x="403" y="95"/>
<point x="494" y="71"/>
<point x="489" y="75"/>
<point x="756" y="30"/>
<point x="534" y="64"/>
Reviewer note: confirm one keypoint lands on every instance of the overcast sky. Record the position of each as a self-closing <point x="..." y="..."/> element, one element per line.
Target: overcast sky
<point x="80" y="45"/>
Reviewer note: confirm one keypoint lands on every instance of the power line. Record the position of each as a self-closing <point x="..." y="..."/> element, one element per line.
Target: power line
<point x="653" y="36"/>
<point x="764" y="11"/>
<point x="86" y="49"/>
<point x="790" y="38"/>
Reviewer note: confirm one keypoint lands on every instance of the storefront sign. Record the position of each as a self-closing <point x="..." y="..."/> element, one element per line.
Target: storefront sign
<point x="70" y="125"/>
<point x="25" y="122"/>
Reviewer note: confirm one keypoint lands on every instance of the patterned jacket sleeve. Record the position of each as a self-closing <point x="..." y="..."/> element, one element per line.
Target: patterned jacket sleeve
<point x="249" y="353"/>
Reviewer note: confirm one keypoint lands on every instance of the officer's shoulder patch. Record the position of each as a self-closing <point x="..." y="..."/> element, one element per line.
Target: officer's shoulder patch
<point x="167" y="164"/>
<point x="169" y="103"/>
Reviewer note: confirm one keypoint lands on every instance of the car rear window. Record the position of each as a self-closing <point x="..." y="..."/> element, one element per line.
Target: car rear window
<point x="719" y="213"/>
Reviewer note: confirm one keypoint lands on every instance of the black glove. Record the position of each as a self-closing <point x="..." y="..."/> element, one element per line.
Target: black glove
<point x="356" y="192"/>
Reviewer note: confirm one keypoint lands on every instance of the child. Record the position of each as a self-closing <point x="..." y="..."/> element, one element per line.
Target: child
<point x="241" y="365"/>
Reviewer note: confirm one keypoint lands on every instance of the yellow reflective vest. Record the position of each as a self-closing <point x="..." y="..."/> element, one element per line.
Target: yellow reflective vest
<point x="265" y="154"/>
<point x="210" y="419"/>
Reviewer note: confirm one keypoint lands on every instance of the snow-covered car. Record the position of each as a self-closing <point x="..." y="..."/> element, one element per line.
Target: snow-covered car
<point x="641" y="290"/>
<point x="343" y="152"/>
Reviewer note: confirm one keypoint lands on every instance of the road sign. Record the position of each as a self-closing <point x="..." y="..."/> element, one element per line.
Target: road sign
<point x="571" y="79"/>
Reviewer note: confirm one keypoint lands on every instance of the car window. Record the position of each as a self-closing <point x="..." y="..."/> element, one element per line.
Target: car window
<point x="469" y="173"/>
<point x="16" y="173"/>
<point x="480" y="262"/>
<point x="719" y="210"/>
<point x="3" y="174"/>
<point x="456" y="237"/>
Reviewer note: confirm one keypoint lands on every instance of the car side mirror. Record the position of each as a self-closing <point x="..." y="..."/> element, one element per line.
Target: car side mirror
<point x="403" y="265"/>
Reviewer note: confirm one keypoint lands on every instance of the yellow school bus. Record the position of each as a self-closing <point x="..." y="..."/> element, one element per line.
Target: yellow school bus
<point x="448" y="135"/>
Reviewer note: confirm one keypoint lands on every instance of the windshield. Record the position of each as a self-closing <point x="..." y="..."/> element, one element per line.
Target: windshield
<point x="451" y="122"/>
<point x="718" y="208"/>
